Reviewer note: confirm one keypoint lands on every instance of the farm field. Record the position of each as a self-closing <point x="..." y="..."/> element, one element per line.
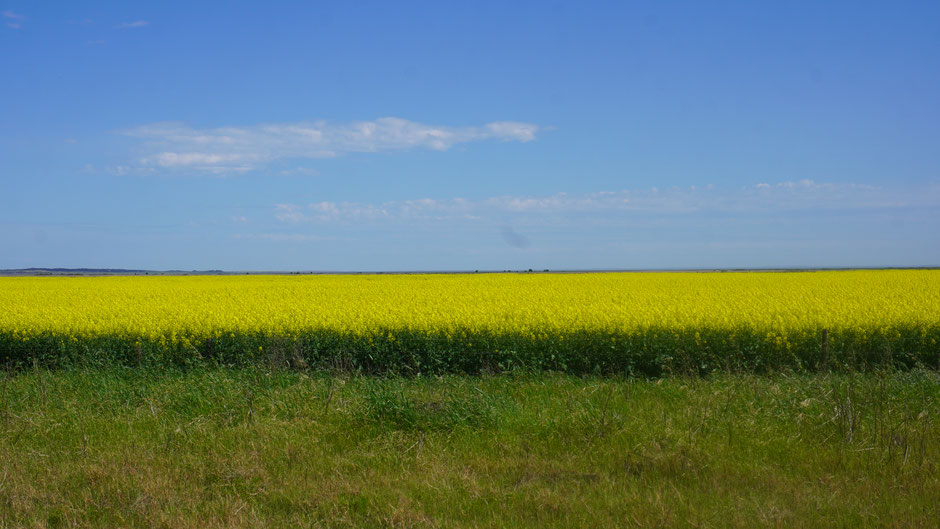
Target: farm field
<point x="645" y="324"/>
<point x="250" y="447"/>
<point x="478" y="400"/>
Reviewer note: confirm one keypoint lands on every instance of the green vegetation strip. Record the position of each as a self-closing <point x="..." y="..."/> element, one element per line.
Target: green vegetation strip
<point x="652" y="352"/>
<point x="250" y="447"/>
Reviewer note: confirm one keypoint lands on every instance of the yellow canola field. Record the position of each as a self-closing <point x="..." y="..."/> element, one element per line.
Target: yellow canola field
<point x="779" y="304"/>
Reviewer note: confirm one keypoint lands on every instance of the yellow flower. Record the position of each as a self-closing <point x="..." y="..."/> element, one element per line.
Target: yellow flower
<point x="786" y="309"/>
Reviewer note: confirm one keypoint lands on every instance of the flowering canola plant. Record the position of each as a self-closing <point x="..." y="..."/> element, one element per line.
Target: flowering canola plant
<point x="647" y="322"/>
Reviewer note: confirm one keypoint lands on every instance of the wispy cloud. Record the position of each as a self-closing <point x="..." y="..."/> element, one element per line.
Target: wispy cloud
<point x="134" y="24"/>
<point x="789" y="196"/>
<point x="290" y="213"/>
<point x="176" y="146"/>
<point x="299" y="171"/>
<point x="14" y="20"/>
<point x="201" y="159"/>
<point x="283" y="237"/>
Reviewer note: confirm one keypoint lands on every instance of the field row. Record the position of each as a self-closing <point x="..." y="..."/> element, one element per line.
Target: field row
<point x="645" y="324"/>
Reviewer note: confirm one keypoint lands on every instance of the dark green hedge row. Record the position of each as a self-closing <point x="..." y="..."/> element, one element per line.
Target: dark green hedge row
<point x="654" y="352"/>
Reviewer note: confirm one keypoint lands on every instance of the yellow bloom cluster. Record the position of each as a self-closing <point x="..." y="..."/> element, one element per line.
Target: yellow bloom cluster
<point x="172" y="308"/>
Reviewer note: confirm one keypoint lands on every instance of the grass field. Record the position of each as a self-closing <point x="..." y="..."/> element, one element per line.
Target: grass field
<point x="254" y="448"/>
<point x="647" y="324"/>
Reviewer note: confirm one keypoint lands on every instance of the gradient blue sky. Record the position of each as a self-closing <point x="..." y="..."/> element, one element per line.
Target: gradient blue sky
<point x="472" y="135"/>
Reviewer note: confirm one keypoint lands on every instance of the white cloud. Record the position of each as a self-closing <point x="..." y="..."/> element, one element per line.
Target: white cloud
<point x="197" y="159"/>
<point x="15" y="20"/>
<point x="790" y="196"/>
<point x="299" y="171"/>
<point x="134" y="24"/>
<point x="282" y="237"/>
<point x="808" y="194"/>
<point x="290" y="213"/>
<point x="178" y="146"/>
<point x="511" y="130"/>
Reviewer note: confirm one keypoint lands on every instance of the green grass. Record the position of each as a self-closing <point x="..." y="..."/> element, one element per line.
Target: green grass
<point x="250" y="447"/>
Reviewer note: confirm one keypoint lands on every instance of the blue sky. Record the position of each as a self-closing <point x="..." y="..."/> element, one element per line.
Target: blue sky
<point x="473" y="135"/>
